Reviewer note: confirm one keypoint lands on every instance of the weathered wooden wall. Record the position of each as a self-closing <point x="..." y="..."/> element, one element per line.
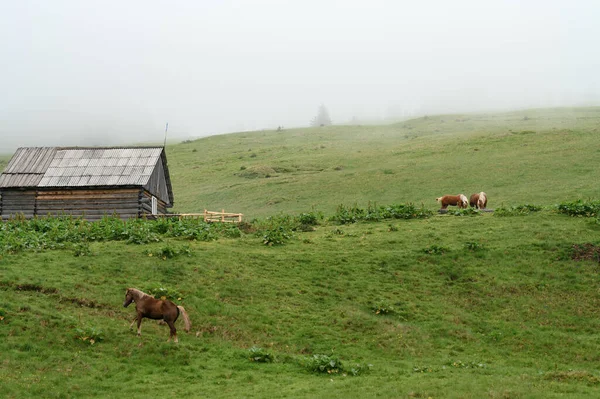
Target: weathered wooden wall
<point x="146" y="204"/>
<point x="91" y="204"/>
<point x="17" y="202"/>
<point x="157" y="184"/>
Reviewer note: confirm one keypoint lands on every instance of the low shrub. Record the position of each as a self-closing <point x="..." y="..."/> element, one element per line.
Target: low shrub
<point x="89" y="335"/>
<point x="82" y="249"/>
<point x="276" y="236"/>
<point x="161" y="292"/>
<point x="347" y="215"/>
<point x="580" y="208"/>
<point x="435" y="250"/>
<point x="260" y="355"/>
<point x="324" y="364"/>
<point x="18" y="234"/>
<point x="382" y="307"/>
<point x="359" y="369"/>
<point x="170" y="252"/>
<point x="309" y="218"/>
<point x="473" y="246"/>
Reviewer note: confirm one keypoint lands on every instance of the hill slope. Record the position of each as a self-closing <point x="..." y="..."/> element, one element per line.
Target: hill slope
<point x="539" y="156"/>
<point x="448" y="306"/>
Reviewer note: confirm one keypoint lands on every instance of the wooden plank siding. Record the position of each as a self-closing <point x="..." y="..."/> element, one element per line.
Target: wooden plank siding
<point x="146" y="204"/>
<point x="89" y="182"/>
<point x="89" y="204"/>
<point x="18" y="202"/>
<point x="157" y="183"/>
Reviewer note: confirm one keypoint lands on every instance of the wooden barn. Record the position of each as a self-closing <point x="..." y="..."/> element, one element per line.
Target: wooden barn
<point x="129" y="182"/>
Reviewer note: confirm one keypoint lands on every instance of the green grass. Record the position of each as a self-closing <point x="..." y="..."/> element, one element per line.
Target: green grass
<point x="545" y="159"/>
<point x="501" y="312"/>
<point x="447" y="306"/>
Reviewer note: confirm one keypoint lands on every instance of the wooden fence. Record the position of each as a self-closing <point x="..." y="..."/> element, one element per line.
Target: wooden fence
<point x="209" y="216"/>
<point x="222" y="217"/>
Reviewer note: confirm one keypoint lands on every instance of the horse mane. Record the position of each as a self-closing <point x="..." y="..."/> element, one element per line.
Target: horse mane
<point x="138" y="293"/>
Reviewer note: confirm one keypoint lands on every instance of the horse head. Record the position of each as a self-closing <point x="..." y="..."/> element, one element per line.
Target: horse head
<point x="128" y="297"/>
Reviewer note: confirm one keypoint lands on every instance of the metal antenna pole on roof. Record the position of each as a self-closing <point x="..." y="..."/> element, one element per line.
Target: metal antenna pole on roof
<point x="166" y="128"/>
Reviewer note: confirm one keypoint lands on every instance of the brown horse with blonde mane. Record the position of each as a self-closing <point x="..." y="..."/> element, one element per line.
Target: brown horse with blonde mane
<point x="156" y="309"/>
<point x="459" y="200"/>
<point x="479" y="200"/>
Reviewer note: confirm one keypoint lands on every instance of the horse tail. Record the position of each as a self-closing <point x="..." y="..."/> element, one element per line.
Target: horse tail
<point x="186" y="319"/>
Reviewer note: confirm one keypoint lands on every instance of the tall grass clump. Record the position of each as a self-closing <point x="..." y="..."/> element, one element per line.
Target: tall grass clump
<point x="160" y="291"/>
<point x="278" y="229"/>
<point x="37" y="234"/>
<point x="517" y="210"/>
<point x="353" y="214"/>
<point x="590" y="208"/>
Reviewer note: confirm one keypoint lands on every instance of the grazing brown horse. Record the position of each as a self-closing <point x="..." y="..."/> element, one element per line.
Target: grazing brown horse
<point x="157" y="309"/>
<point x="459" y="200"/>
<point x="478" y="200"/>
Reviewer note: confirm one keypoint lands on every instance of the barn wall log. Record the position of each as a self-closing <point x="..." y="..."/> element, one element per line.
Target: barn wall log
<point x="81" y="196"/>
<point x="146" y="199"/>
<point x="84" y="204"/>
<point x="93" y="212"/>
<point x="147" y="209"/>
<point x="17" y="202"/>
<point x="90" y="192"/>
<point x="92" y="204"/>
<point x="10" y="216"/>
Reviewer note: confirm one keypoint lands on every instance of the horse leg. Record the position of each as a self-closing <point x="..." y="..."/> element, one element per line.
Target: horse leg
<point x="172" y="332"/>
<point x="132" y="323"/>
<point x="139" y="325"/>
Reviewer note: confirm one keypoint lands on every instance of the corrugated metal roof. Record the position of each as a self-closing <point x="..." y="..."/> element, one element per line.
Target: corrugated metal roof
<point x="112" y="166"/>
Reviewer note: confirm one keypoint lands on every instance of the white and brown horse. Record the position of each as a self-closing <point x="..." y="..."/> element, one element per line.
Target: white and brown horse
<point x="478" y="200"/>
<point x="156" y="309"/>
<point x="459" y="200"/>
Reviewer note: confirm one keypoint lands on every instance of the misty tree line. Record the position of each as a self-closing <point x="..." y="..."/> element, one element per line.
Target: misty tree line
<point x="322" y="118"/>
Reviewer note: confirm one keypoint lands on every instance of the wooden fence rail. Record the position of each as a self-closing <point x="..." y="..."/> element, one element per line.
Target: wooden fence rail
<point x="208" y="216"/>
<point x="223" y="217"/>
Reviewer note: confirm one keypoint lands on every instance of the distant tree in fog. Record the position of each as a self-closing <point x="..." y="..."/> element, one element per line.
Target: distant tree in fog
<point x="322" y="118"/>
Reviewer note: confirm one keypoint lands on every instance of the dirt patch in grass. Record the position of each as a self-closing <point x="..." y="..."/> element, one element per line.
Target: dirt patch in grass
<point x="587" y="251"/>
<point x="259" y="171"/>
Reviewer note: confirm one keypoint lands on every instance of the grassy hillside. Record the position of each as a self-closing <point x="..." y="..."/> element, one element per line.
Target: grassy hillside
<point x="464" y="305"/>
<point x="539" y="156"/>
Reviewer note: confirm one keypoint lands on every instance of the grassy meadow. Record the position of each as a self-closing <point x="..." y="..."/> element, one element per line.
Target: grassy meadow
<point x="500" y="304"/>
<point x="539" y="156"/>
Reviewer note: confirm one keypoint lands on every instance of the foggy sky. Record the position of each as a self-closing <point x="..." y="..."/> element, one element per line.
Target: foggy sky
<point x="115" y="72"/>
